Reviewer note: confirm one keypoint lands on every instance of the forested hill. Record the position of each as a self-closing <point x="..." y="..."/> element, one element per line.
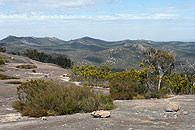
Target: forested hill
<point x="117" y="54"/>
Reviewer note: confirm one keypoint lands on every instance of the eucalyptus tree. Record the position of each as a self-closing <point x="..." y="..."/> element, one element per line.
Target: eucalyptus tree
<point x="160" y="63"/>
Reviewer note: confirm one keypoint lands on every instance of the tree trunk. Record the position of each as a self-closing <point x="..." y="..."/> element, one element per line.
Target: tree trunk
<point x="159" y="81"/>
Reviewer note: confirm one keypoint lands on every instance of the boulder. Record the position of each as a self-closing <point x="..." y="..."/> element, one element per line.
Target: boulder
<point x="185" y="112"/>
<point x="43" y="118"/>
<point x="172" y="107"/>
<point x="101" y="114"/>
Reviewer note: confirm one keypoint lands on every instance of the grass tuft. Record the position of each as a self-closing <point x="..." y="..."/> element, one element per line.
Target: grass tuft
<point x="4" y="77"/>
<point x="13" y="82"/>
<point x="26" y="66"/>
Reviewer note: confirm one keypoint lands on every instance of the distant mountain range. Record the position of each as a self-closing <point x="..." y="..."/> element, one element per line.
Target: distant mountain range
<point x="119" y="55"/>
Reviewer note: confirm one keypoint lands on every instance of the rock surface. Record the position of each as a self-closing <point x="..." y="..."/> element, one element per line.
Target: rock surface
<point x="172" y="107"/>
<point x="101" y="114"/>
<point x="137" y="114"/>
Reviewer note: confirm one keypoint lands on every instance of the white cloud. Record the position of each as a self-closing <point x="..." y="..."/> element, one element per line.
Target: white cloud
<point x="171" y="9"/>
<point x="54" y="4"/>
<point x="163" y="9"/>
<point x="34" y="16"/>
<point x="64" y="3"/>
<point x="111" y="1"/>
<point x="47" y="4"/>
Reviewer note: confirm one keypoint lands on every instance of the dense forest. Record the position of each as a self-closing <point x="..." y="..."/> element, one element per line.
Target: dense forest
<point x="42" y="57"/>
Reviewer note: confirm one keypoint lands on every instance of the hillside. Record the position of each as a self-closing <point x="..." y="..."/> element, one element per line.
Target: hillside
<point x="145" y="114"/>
<point x="119" y="55"/>
<point x="45" y="71"/>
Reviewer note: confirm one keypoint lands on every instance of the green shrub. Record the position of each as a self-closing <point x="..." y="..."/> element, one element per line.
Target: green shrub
<point x="34" y="71"/>
<point x="85" y="83"/>
<point x="157" y="95"/>
<point x="127" y="84"/>
<point x="4" y="77"/>
<point x="139" y="97"/>
<point x="91" y="74"/>
<point x="121" y="90"/>
<point x="3" y="60"/>
<point x="2" y="70"/>
<point x="38" y="98"/>
<point x="14" y="82"/>
<point x="26" y="66"/>
<point x="2" y="49"/>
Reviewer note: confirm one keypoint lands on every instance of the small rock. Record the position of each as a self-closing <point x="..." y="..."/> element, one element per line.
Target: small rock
<point x="172" y="107"/>
<point x="165" y="116"/>
<point x="185" y="112"/>
<point x="64" y="75"/>
<point x="154" y="112"/>
<point x="19" y="118"/>
<point x="136" y="113"/>
<point x="101" y="114"/>
<point x="43" y="118"/>
<point x="130" y="129"/>
<point x="63" y="125"/>
<point x="175" y="116"/>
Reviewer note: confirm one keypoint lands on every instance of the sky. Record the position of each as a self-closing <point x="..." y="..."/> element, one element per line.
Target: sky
<point x="112" y="20"/>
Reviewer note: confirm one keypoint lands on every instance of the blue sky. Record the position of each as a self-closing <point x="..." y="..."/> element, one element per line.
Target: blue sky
<point x="160" y="20"/>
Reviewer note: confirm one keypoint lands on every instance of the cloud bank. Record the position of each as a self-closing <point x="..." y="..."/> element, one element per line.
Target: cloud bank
<point x="53" y="4"/>
<point x="115" y="17"/>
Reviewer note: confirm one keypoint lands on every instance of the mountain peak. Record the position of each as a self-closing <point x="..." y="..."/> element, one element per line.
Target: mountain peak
<point x="10" y="38"/>
<point x="87" y="38"/>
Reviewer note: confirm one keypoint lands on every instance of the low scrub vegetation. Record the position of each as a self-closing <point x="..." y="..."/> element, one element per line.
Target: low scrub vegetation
<point x="3" y="60"/>
<point x="26" y="66"/>
<point x="4" y="77"/>
<point x="38" y="98"/>
<point x="2" y="70"/>
<point x="2" y="49"/>
<point x="127" y="84"/>
<point x="34" y="71"/>
<point x="13" y="82"/>
<point x="90" y="75"/>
